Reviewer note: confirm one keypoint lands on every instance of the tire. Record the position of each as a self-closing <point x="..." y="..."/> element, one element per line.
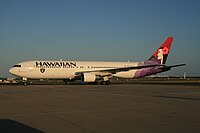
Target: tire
<point x="107" y="82"/>
<point x="24" y="83"/>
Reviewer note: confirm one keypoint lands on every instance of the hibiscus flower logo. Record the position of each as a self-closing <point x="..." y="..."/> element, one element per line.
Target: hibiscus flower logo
<point x="162" y="54"/>
<point x="165" y="50"/>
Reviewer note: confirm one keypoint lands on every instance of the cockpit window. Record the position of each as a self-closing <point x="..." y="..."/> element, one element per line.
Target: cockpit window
<point x="17" y="66"/>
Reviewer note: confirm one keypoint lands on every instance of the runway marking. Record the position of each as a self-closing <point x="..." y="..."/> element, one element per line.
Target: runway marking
<point x="176" y="97"/>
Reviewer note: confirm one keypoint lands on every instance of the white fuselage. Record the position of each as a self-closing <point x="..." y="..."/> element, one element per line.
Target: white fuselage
<point x="67" y="69"/>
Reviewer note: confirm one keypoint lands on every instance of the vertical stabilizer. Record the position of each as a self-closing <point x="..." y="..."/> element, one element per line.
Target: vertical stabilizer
<point x="160" y="55"/>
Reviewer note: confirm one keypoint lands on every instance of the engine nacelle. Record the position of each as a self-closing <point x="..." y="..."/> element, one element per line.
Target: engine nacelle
<point x="88" y="77"/>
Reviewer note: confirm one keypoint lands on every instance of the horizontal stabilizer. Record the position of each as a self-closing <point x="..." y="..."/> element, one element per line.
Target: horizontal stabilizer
<point x="177" y="65"/>
<point x="169" y="67"/>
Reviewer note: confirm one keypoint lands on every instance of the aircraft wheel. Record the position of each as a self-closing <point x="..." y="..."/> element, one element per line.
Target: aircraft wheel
<point x="107" y="82"/>
<point x="103" y="83"/>
<point x="67" y="83"/>
<point x="24" y="83"/>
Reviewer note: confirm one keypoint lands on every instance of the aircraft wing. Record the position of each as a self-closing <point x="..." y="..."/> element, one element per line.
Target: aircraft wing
<point x="115" y="70"/>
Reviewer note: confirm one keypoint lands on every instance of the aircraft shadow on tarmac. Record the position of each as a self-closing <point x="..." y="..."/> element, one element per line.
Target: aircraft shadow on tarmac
<point x="11" y="126"/>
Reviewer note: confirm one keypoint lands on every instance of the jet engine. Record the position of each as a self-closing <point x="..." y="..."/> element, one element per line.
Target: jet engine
<point x="88" y="77"/>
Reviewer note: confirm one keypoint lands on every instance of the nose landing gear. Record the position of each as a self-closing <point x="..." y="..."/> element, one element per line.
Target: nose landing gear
<point x="24" y="82"/>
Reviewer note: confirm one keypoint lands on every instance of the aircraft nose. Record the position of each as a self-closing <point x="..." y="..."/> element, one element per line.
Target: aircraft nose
<point x="12" y="70"/>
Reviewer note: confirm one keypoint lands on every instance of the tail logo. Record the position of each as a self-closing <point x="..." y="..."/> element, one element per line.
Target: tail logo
<point x="162" y="54"/>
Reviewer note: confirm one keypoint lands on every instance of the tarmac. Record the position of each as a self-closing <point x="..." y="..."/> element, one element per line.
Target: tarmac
<point x="116" y="108"/>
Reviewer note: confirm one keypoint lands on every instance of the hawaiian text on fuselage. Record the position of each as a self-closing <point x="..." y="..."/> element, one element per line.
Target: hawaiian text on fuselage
<point x="55" y="64"/>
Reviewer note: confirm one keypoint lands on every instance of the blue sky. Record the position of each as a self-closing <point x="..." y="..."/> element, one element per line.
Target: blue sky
<point x="103" y="30"/>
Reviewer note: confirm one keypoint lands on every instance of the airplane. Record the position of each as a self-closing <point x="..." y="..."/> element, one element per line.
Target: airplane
<point x="94" y="71"/>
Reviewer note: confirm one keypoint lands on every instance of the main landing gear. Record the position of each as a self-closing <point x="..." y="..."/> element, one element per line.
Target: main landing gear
<point x="105" y="82"/>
